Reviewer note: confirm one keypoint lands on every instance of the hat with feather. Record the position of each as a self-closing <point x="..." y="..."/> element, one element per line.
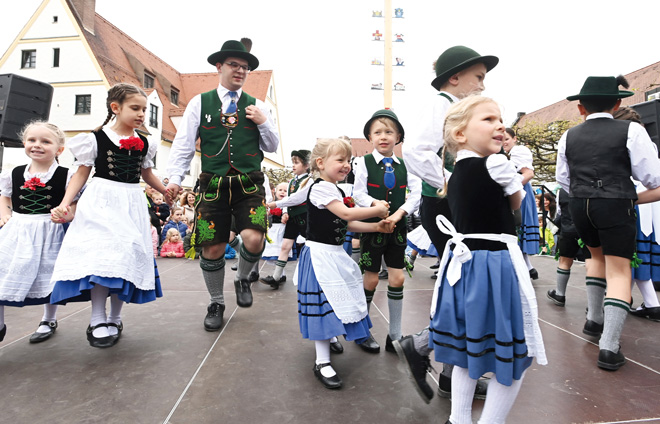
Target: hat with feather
<point x="233" y="48"/>
<point x="602" y="88"/>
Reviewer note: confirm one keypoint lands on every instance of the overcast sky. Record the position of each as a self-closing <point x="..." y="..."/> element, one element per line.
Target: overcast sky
<point x="321" y="51"/>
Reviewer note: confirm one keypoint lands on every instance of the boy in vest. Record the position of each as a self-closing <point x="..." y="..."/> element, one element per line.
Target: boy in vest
<point x="460" y="71"/>
<point x="235" y="129"/>
<point x="296" y="216"/>
<point x="595" y="161"/>
<point x="381" y="176"/>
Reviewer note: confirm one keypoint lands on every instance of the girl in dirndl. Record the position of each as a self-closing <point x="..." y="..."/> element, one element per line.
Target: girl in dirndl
<point x="29" y="240"/>
<point x="484" y="313"/>
<point x="108" y="248"/>
<point x="528" y="231"/>
<point x="331" y="299"/>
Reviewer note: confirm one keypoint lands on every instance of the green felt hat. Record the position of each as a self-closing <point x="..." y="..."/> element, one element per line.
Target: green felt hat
<point x="457" y="58"/>
<point x="384" y="113"/>
<point x="302" y="154"/>
<point x="233" y="48"/>
<point x="601" y="88"/>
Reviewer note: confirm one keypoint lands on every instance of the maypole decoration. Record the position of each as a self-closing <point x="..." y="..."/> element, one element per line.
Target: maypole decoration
<point x="389" y="40"/>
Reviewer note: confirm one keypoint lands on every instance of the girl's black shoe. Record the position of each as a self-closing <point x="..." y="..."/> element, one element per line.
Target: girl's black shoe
<point x="100" y="342"/>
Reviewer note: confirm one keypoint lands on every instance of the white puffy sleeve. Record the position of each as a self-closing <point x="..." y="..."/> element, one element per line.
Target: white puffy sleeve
<point x="504" y="173"/>
<point x="148" y="161"/>
<point x="5" y="183"/>
<point x="324" y="193"/>
<point x="84" y="149"/>
<point x="521" y="157"/>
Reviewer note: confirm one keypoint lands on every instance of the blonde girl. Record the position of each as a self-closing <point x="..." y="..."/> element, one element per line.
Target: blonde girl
<point x="331" y="299"/>
<point x="29" y="240"/>
<point x="173" y="245"/>
<point x="108" y="249"/>
<point x="482" y="295"/>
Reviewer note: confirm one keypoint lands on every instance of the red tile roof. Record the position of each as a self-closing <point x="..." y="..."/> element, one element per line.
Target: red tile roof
<point x="122" y="59"/>
<point x="640" y="81"/>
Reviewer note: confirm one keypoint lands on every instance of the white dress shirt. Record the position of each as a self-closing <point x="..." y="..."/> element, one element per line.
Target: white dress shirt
<point x="643" y="153"/>
<point x="183" y="146"/>
<point x="420" y="151"/>
<point x="361" y="193"/>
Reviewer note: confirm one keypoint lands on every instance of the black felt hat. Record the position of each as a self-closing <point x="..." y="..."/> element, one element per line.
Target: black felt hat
<point x="233" y="48"/>
<point x="384" y="113"/>
<point x="457" y="58"/>
<point x="601" y="88"/>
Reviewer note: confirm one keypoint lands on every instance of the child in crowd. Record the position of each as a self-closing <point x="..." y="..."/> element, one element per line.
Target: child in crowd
<point x="484" y="314"/>
<point x="381" y="176"/>
<point x="528" y="231"/>
<point x="175" y="222"/>
<point x="108" y="248"/>
<point x="459" y="72"/>
<point x="276" y="230"/>
<point x="29" y="240"/>
<point x="173" y="245"/>
<point x="595" y="161"/>
<point x="149" y="192"/>
<point x="331" y="299"/>
<point x="547" y="240"/>
<point x="296" y="215"/>
<point x="161" y="209"/>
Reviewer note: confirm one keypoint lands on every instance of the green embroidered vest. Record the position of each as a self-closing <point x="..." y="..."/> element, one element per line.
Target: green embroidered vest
<point x="376" y="186"/>
<point x="427" y="189"/>
<point x="294" y="185"/>
<point x="226" y="149"/>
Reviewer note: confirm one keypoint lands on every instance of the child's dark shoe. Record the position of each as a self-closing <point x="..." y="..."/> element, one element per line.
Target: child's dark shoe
<point x="38" y="337"/>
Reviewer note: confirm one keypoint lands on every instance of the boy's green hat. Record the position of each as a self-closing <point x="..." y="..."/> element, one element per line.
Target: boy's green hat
<point x="457" y="58"/>
<point x="233" y="48"/>
<point x="384" y="113"/>
<point x="601" y="88"/>
<point x="302" y="154"/>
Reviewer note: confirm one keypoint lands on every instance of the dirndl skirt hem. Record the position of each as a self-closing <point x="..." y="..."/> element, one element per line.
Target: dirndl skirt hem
<point x="79" y="290"/>
<point x="316" y="317"/>
<point x="478" y="322"/>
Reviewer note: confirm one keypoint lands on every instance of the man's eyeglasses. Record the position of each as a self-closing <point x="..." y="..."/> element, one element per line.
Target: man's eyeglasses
<point x="236" y="66"/>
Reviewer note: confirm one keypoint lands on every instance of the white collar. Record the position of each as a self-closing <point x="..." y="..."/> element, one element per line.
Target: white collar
<point x="379" y="157"/>
<point x="224" y="92"/>
<point x="41" y="175"/>
<point x="600" y="115"/>
<point x="465" y="153"/>
<point x="454" y="98"/>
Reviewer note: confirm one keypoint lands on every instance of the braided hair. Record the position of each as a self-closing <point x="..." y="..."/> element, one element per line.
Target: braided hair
<point x="118" y="94"/>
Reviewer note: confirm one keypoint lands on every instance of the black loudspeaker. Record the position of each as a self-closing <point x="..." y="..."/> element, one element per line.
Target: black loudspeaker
<point x="21" y="100"/>
<point x="650" y="113"/>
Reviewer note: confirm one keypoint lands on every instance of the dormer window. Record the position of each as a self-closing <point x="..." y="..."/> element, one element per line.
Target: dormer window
<point x="174" y="97"/>
<point x="148" y="80"/>
<point x="28" y="59"/>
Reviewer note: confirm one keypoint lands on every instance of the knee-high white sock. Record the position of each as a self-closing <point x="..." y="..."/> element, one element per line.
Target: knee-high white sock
<point x="323" y="357"/>
<point x="527" y="261"/>
<point x="499" y="401"/>
<point x="115" y="313"/>
<point x="49" y="315"/>
<point x="615" y="313"/>
<point x="462" y="394"/>
<point x="99" y="294"/>
<point x="648" y="293"/>
<point x="279" y="269"/>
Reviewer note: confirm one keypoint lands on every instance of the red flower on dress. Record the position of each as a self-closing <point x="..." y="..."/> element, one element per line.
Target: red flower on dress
<point x="275" y="212"/>
<point x="349" y="202"/>
<point x="131" y="143"/>
<point x="32" y="184"/>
